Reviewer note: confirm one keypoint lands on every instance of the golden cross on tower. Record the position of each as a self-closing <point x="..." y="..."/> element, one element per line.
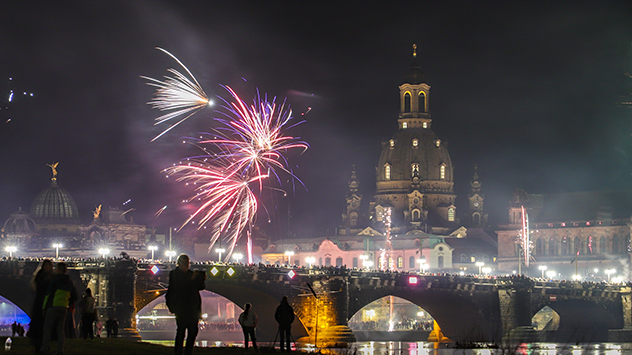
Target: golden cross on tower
<point x="414" y="50"/>
<point x="54" y="167"/>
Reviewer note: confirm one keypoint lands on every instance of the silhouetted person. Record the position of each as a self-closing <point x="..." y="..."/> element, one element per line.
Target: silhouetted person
<point x="41" y="280"/>
<point x="88" y="314"/>
<point x="183" y="300"/>
<point x="284" y="315"/>
<point x="248" y="320"/>
<point x="60" y="295"/>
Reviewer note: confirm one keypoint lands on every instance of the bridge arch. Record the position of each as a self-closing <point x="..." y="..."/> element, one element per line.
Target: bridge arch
<point x="460" y="318"/>
<point x="391" y="314"/>
<point x="18" y="291"/>
<point x="582" y="320"/>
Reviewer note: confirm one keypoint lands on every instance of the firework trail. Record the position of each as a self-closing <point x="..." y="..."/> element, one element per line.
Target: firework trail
<point x="243" y="151"/>
<point x="228" y="203"/>
<point x="178" y="94"/>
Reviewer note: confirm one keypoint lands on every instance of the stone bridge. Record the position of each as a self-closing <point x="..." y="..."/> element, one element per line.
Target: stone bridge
<point x="466" y="308"/>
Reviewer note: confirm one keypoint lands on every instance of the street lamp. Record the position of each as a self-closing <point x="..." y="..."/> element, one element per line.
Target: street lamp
<point x="220" y="251"/>
<point x="310" y="260"/>
<point x="576" y="277"/>
<point x="551" y="274"/>
<point x="170" y="254"/>
<point x="104" y="252"/>
<point x="11" y="250"/>
<point x="487" y="270"/>
<point x="289" y="257"/>
<point x="610" y="272"/>
<point x="57" y="246"/>
<point x="368" y="264"/>
<point x="543" y="269"/>
<point x="422" y="265"/>
<point x="237" y="257"/>
<point x="480" y="265"/>
<point x="153" y="248"/>
<point x="364" y="258"/>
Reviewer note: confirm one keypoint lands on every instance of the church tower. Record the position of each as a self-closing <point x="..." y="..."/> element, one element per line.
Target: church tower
<point x="351" y="217"/>
<point x="477" y="215"/>
<point x="414" y="174"/>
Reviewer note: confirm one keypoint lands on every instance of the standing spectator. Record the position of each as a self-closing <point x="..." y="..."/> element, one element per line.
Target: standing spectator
<point x="109" y="326"/>
<point x="183" y="300"/>
<point x="284" y="315"/>
<point x="99" y="326"/>
<point x="248" y="321"/>
<point x="88" y="314"/>
<point x="41" y="280"/>
<point x="71" y="327"/>
<point x="60" y="295"/>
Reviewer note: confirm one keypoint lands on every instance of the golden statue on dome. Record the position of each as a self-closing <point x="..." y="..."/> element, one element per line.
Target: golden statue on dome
<point x="97" y="212"/>
<point x="54" y="167"/>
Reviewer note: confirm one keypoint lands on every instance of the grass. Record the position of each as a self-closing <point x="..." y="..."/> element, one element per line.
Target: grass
<point x="118" y="346"/>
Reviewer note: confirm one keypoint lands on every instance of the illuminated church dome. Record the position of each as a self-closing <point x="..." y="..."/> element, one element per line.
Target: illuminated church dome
<point x="54" y="205"/>
<point x="414" y="172"/>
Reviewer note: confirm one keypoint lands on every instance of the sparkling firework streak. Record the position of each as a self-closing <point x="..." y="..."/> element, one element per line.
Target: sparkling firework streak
<point x="524" y="238"/>
<point x="178" y="94"/>
<point x="228" y="201"/>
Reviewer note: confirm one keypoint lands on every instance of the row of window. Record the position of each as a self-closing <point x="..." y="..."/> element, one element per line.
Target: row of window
<point x="415" y="142"/>
<point x="589" y="245"/>
<point x="421" y="102"/>
<point x="414" y="171"/>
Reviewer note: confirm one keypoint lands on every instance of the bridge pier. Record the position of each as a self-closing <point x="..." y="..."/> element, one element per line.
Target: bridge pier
<point x="514" y="300"/>
<point x="113" y="284"/>
<point x="624" y="334"/>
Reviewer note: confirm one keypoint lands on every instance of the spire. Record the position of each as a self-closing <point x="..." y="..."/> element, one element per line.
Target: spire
<point x="475" y="184"/>
<point x="353" y="182"/>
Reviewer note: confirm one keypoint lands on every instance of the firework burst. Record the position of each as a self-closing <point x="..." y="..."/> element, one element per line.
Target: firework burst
<point x="244" y="151"/>
<point x="177" y="94"/>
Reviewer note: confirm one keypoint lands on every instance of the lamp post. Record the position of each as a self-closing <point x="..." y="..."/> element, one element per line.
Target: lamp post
<point x="310" y="260"/>
<point x="487" y="270"/>
<point x="422" y="265"/>
<point x="220" y="251"/>
<point x="11" y="250"/>
<point x="289" y="257"/>
<point x="104" y="252"/>
<point x="57" y="246"/>
<point x="170" y="254"/>
<point x="551" y="274"/>
<point x="237" y="257"/>
<point x="153" y="248"/>
<point x="364" y="258"/>
<point x="480" y="265"/>
<point x="542" y="268"/>
<point x="610" y="272"/>
<point x="368" y="264"/>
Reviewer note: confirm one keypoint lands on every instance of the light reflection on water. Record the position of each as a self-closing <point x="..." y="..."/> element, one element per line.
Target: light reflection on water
<point x="425" y="348"/>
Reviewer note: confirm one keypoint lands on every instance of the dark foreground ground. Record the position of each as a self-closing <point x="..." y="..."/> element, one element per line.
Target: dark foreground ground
<point x="103" y="346"/>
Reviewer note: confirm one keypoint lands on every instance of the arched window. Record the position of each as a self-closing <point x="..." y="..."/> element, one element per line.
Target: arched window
<point x="416" y="215"/>
<point x="473" y="258"/>
<point x="320" y="261"/>
<point x="415" y="143"/>
<point x="602" y="245"/>
<point x="438" y="143"/>
<point x="400" y="262"/>
<point x="616" y="245"/>
<point x="552" y="248"/>
<point x="404" y="125"/>
<point x="576" y="245"/>
<point x="355" y="262"/>
<point x="353" y="219"/>
<point x="539" y="248"/>
<point x="442" y="172"/>
<point x="407" y="102"/>
<point x="564" y="246"/>
<point x="387" y="172"/>
<point x="476" y="219"/>
<point x="414" y="169"/>
<point x="451" y="214"/>
<point x="440" y="262"/>
<point x="390" y="262"/>
<point x="327" y="261"/>
<point x="463" y="258"/>
<point x="391" y="143"/>
<point x="485" y="258"/>
<point x="424" y="125"/>
<point x="422" y="102"/>
<point x="411" y="262"/>
<point x="338" y="261"/>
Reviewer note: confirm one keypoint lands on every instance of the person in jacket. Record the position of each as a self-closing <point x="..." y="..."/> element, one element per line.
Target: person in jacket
<point x="40" y="282"/>
<point x="284" y="315"/>
<point x="60" y="295"/>
<point x="248" y="320"/>
<point x="88" y="314"/>
<point x="183" y="299"/>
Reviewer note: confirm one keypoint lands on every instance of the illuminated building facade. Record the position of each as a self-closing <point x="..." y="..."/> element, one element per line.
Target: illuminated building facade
<point x="583" y="233"/>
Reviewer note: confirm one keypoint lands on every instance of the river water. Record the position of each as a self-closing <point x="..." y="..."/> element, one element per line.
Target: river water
<point x="415" y="348"/>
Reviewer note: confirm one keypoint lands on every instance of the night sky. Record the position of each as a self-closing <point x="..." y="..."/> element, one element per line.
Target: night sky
<point x="527" y="90"/>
